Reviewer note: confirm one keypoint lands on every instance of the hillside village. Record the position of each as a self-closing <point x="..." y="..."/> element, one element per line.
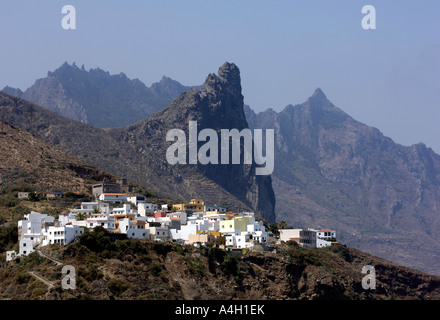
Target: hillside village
<point x="129" y="215"/>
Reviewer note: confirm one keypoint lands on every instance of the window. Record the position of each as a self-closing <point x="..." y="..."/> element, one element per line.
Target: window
<point x="24" y="244"/>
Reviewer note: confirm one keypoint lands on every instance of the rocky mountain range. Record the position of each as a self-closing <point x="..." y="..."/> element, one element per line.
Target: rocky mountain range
<point x="98" y="98"/>
<point x="333" y="171"/>
<point x="138" y="151"/>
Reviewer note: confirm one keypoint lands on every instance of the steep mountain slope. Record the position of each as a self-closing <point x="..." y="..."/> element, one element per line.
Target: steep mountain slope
<point x="138" y="152"/>
<point x="332" y="171"/>
<point x="147" y="270"/>
<point x="25" y="158"/>
<point x="98" y="98"/>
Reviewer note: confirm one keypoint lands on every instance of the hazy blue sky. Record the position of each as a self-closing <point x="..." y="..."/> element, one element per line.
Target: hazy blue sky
<point x="388" y="78"/>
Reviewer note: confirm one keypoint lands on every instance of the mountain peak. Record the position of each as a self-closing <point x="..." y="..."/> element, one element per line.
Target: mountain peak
<point x="319" y="94"/>
<point x="229" y="72"/>
<point x="228" y="79"/>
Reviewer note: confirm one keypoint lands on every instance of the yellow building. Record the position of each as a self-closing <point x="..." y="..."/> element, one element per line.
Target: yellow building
<point x="195" y="205"/>
<point x="238" y="223"/>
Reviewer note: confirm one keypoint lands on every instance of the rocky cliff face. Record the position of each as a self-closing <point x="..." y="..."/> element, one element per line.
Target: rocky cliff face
<point x="333" y="171"/>
<point x="138" y="152"/>
<point x="98" y="98"/>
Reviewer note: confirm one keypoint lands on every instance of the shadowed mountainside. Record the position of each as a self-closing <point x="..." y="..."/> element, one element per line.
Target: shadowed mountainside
<point x="335" y="172"/>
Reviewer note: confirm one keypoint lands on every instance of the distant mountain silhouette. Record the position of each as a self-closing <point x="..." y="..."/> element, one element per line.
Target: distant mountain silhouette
<point x="98" y="98"/>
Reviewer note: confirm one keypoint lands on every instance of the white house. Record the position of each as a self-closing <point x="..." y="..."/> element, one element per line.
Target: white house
<point x="10" y="255"/>
<point x="30" y="231"/>
<point x="26" y="246"/>
<point x="320" y="243"/>
<point x="133" y="229"/>
<point x="91" y="207"/>
<point x="61" y="235"/>
<point x="158" y="231"/>
<point x="238" y="239"/>
<point x="182" y="215"/>
<point x="113" y="197"/>
<point x="308" y="238"/>
<point x="98" y="219"/>
<point x="23" y="195"/>
<point x="190" y="228"/>
<point x="326" y="234"/>
<point x="146" y="208"/>
<point x="126" y="209"/>
<point x="136" y="199"/>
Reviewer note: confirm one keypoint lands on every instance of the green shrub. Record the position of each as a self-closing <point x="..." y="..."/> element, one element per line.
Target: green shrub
<point x="155" y="269"/>
<point x="90" y="274"/>
<point x="8" y="201"/>
<point x="117" y="286"/>
<point x="22" y="277"/>
<point x="38" y="292"/>
<point x="197" y="267"/>
<point x="180" y="249"/>
<point x="8" y="237"/>
<point x="19" y="187"/>
<point x="97" y="240"/>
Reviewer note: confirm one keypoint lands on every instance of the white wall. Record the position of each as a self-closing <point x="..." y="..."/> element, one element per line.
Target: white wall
<point x="287" y="234"/>
<point x="146" y="208"/>
<point x="10" y="255"/>
<point x="61" y="235"/>
<point x="26" y="247"/>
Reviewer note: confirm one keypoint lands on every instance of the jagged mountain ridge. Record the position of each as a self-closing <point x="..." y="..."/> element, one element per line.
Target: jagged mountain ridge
<point x="98" y="98"/>
<point x="333" y="171"/>
<point x="138" y="151"/>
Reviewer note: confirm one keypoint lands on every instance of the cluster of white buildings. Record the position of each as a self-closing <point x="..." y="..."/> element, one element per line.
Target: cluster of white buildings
<point x="140" y="220"/>
<point x="191" y="223"/>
